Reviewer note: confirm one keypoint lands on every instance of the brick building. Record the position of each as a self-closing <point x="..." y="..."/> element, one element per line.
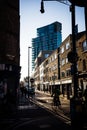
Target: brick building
<point x="56" y="70"/>
<point x="9" y="46"/>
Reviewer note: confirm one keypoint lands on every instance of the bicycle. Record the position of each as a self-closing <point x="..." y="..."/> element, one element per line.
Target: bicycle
<point x="56" y="103"/>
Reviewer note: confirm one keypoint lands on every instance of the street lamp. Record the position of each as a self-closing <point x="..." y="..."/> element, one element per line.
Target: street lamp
<point x="28" y="68"/>
<point x="75" y="101"/>
<point x="76" y="119"/>
<point x="81" y="3"/>
<point x="73" y="53"/>
<point x="61" y="1"/>
<point x="42" y="7"/>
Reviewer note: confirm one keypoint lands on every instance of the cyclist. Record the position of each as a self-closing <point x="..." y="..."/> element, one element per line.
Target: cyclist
<point x="56" y="100"/>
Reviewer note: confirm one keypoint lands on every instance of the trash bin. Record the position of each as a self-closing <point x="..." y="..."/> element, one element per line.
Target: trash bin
<point x="76" y="111"/>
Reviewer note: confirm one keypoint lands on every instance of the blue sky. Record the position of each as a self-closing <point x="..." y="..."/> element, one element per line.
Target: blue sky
<point x="31" y="19"/>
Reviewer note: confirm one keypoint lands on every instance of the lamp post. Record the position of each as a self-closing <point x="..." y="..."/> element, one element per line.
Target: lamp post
<point x="77" y="120"/>
<point x="73" y="53"/>
<point x="28" y="68"/>
<point x="81" y="3"/>
<point x="61" y="1"/>
<point x="75" y="102"/>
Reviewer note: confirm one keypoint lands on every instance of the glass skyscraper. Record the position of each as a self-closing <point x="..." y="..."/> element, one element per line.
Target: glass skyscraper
<point x="49" y="37"/>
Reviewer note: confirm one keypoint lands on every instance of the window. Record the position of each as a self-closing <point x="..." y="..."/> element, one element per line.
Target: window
<point x="63" y="74"/>
<point x="67" y="45"/>
<point x="46" y="55"/>
<point x="54" y="67"/>
<point x="49" y="60"/>
<point x="63" y="61"/>
<point x="66" y="60"/>
<point x="62" y="49"/>
<point x="55" y="56"/>
<point x="68" y="72"/>
<point x="46" y="62"/>
<point x="84" y="65"/>
<point x="84" y="46"/>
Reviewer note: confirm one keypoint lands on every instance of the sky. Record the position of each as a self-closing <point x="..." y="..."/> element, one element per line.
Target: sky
<point x="31" y="18"/>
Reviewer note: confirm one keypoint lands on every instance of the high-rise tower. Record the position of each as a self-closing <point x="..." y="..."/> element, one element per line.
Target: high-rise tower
<point x="48" y="38"/>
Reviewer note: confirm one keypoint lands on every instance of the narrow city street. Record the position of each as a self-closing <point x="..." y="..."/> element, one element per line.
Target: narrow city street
<point x="30" y="115"/>
<point x="43" y="64"/>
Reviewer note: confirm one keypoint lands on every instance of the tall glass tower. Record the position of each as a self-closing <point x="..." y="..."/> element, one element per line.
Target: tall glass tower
<point x="49" y="37"/>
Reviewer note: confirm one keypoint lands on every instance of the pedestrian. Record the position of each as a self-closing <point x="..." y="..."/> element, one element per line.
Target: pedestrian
<point x="25" y="91"/>
<point x="22" y="90"/>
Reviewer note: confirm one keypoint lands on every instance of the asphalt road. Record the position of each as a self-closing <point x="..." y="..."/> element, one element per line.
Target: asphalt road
<point x="30" y="116"/>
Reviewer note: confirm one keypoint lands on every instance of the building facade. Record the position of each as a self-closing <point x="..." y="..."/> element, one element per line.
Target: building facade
<point x="39" y="68"/>
<point x="48" y="37"/>
<point x="56" y="70"/>
<point x="9" y="47"/>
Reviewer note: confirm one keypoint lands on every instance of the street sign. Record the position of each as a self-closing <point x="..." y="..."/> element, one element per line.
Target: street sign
<point x="32" y="80"/>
